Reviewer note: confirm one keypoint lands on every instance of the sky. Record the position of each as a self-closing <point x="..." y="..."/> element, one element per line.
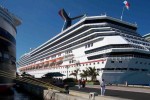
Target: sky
<point x="41" y="22"/>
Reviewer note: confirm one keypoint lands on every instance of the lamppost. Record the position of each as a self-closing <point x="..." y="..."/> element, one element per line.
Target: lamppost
<point x="77" y="68"/>
<point x="67" y="70"/>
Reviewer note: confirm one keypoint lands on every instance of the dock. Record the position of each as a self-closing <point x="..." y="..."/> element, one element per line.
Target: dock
<point x="120" y="92"/>
<point x="115" y="92"/>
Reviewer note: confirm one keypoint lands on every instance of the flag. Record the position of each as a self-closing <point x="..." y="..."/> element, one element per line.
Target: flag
<point x="127" y="5"/>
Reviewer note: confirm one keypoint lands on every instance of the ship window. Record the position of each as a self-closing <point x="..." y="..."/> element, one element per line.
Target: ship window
<point x="98" y="69"/>
<point x="136" y="69"/>
<point x="91" y="44"/>
<point x="118" y="69"/>
<point x="144" y="69"/>
<point x="133" y="69"/>
<point x="107" y="68"/>
<point x="124" y="68"/>
<point x="120" y="61"/>
<point x="112" y="61"/>
<point x="136" y="62"/>
<point x="69" y="61"/>
<point x="85" y="46"/>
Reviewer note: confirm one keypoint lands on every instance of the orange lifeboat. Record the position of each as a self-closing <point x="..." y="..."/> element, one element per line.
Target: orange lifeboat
<point x="41" y="64"/>
<point x="46" y="63"/>
<point x="59" y="60"/>
<point x="52" y="62"/>
<point x="36" y="65"/>
<point x="33" y="66"/>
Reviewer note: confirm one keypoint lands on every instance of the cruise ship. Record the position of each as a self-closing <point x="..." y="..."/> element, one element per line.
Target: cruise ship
<point x="8" y="24"/>
<point x="114" y="47"/>
<point x="147" y="37"/>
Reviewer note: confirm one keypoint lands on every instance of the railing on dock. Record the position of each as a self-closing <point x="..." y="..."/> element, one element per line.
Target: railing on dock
<point x="32" y="81"/>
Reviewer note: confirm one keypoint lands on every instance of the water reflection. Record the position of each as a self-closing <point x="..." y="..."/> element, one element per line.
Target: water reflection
<point x="14" y="94"/>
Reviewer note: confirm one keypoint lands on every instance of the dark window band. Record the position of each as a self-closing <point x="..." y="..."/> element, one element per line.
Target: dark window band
<point x="120" y="54"/>
<point x="7" y="35"/>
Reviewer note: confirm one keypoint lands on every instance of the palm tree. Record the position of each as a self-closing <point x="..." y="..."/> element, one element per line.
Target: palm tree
<point x="92" y="72"/>
<point x="75" y="73"/>
<point x="85" y="74"/>
<point x="24" y="74"/>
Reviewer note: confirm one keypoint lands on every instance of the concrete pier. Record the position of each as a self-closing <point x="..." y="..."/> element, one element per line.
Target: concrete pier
<point x="48" y="94"/>
<point x="56" y="95"/>
<point x="112" y="92"/>
<point x="43" y="91"/>
<point x="32" y="89"/>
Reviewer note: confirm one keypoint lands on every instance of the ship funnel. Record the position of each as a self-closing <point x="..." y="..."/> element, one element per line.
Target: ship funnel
<point x="67" y="19"/>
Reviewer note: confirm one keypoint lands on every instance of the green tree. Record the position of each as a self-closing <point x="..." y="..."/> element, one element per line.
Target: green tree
<point x="75" y="73"/>
<point x="24" y="74"/>
<point x="92" y="73"/>
<point x="84" y="74"/>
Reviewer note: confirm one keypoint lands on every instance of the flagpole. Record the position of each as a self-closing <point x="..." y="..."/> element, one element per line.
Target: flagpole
<point x="122" y="13"/>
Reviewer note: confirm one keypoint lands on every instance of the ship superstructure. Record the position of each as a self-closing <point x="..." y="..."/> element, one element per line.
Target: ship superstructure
<point x="8" y="24"/>
<point x="147" y="37"/>
<point x="110" y="45"/>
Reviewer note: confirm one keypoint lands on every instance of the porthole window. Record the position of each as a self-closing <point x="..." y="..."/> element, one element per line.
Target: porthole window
<point x="136" y="62"/>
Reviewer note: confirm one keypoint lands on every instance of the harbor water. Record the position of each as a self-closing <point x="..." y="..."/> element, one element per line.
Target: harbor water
<point x="15" y="94"/>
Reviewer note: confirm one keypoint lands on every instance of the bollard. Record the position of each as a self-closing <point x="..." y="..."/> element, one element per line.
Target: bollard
<point x="67" y="89"/>
<point x="126" y="83"/>
<point x="92" y="95"/>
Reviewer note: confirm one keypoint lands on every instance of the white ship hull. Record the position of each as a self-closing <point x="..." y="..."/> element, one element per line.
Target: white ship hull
<point x="115" y="76"/>
<point x="113" y="47"/>
<point x="134" y="78"/>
